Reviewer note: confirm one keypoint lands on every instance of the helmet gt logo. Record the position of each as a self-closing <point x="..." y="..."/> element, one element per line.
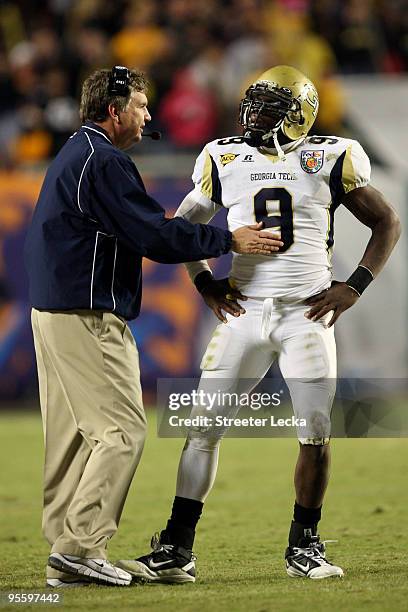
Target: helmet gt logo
<point x="313" y="101"/>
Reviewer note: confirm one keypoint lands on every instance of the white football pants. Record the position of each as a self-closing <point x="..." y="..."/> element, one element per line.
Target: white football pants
<point x="239" y="355"/>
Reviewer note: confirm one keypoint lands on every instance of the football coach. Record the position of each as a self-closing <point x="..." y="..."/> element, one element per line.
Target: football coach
<point x="92" y="225"/>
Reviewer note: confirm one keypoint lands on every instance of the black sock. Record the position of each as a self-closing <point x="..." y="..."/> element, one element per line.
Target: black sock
<point x="180" y="530"/>
<point x="304" y="524"/>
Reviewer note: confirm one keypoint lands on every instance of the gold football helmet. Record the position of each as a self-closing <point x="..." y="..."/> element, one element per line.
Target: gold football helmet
<point x="282" y="97"/>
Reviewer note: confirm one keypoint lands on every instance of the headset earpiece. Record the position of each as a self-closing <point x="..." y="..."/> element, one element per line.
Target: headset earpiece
<point x="119" y="81"/>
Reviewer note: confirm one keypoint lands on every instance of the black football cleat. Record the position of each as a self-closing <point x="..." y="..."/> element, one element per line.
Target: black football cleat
<point x="308" y="560"/>
<point x="167" y="564"/>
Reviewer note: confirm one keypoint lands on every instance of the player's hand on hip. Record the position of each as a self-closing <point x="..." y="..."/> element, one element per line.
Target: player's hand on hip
<point x="219" y="296"/>
<point x="337" y="299"/>
<point x="251" y="240"/>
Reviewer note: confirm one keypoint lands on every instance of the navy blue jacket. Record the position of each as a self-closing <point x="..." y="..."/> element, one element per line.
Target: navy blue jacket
<point x="92" y="225"/>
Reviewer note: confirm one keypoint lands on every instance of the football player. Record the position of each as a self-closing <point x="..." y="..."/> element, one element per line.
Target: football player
<point x="276" y="174"/>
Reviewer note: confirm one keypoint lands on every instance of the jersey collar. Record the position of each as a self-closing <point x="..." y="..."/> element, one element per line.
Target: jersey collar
<point x="89" y="125"/>
<point x="286" y="148"/>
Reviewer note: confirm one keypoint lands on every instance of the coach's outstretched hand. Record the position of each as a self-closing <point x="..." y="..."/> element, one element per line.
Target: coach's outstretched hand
<point x="338" y="298"/>
<point x="219" y="296"/>
<point x="251" y="240"/>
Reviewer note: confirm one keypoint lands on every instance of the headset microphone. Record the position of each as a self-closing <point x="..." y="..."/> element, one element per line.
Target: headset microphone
<point x="153" y="135"/>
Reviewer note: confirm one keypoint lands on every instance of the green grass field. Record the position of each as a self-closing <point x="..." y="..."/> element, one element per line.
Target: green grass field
<point x="243" y="533"/>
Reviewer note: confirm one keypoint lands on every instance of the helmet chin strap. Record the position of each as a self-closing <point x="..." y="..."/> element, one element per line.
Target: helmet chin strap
<point x="281" y="154"/>
<point x="274" y="134"/>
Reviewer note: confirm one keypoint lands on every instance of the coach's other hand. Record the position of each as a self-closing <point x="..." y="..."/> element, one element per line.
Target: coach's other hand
<point x="251" y="240"/>
<point x="219" y="296"/>
<point x="338" y="298"/>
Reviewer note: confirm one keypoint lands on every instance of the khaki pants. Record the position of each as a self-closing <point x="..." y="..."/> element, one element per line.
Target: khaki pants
<point x="94" y="425"/>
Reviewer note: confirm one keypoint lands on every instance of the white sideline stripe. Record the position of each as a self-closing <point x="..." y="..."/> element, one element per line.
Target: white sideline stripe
<point x="93" y="267"/>
<point x="98" y="132"/>
<point x="83" y="170"/>
<point x="86" y="127"/>
<point x="113" y="273"/>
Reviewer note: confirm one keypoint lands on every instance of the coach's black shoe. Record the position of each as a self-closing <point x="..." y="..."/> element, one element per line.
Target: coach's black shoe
<point x="167" y="564"/>
<point x="308" y="560"/>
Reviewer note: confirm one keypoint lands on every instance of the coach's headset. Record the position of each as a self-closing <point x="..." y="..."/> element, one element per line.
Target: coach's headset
<point x="119" y="80"/>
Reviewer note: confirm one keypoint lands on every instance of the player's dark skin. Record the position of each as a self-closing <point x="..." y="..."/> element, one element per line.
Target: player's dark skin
<point x="370" y="208"/>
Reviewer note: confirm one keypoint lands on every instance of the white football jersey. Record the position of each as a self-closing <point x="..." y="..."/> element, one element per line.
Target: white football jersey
<point x="296" y="197"/>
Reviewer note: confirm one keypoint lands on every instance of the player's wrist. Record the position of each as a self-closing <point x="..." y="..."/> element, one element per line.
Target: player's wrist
<point x="360" y="279"/>
<point x="202" y="280"/>
<point x="234" y="243"/>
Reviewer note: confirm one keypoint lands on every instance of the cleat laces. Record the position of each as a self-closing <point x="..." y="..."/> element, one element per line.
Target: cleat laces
<point x="157" y="546"/>
<point x="315" y="551"/>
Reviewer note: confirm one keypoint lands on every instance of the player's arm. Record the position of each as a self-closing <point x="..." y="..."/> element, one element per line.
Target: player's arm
<point x="217" y="294"/>
<point x="197" y="210"/>
<point x="370" y="207"/>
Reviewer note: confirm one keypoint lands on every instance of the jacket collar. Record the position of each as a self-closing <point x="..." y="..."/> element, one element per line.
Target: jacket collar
<point x="89" y="125"/>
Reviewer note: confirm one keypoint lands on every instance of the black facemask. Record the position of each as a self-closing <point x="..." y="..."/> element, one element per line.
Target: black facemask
<point x="263" y="110"/>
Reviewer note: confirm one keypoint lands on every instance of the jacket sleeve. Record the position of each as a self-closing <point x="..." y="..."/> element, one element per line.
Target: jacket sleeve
<point x="123" y="208"/>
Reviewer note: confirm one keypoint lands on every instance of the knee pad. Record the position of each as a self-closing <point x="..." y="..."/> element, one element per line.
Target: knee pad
<point x="316" y="432"/>
<point x="314" y="441"/>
